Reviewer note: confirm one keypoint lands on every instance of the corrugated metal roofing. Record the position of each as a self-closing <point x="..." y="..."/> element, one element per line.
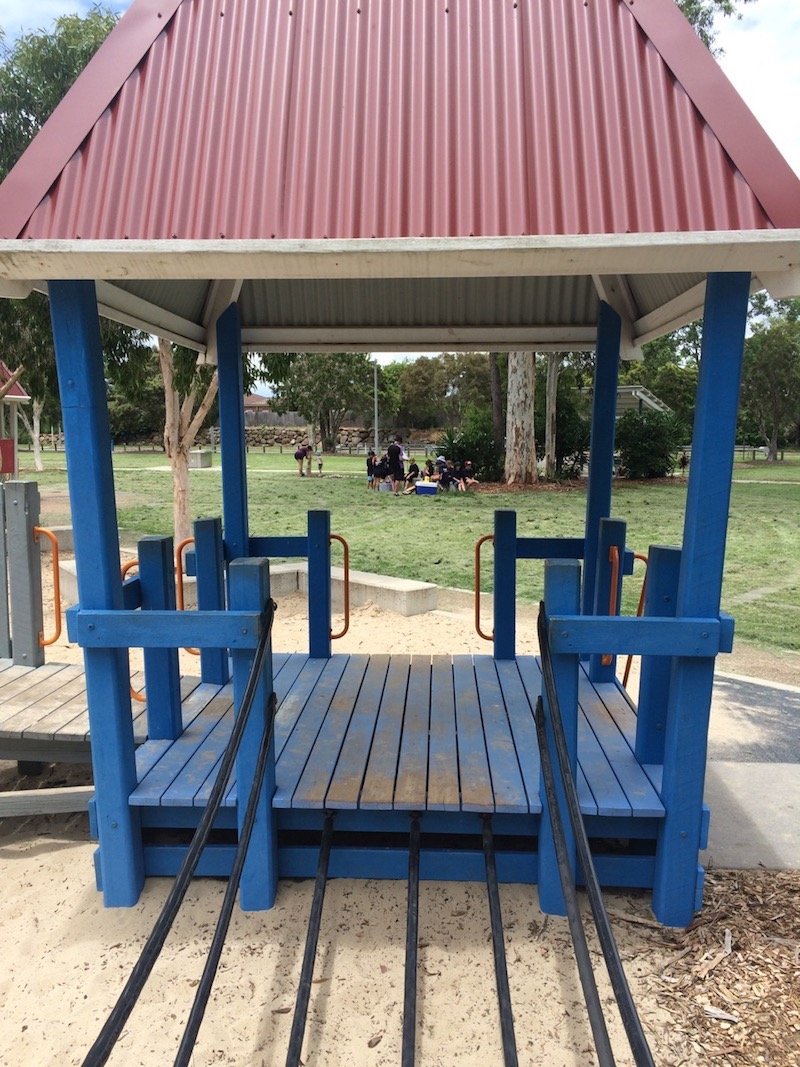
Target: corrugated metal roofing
<point x="375" y="118"/>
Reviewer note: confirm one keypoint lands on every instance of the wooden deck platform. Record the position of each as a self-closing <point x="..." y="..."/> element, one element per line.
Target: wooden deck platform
<point x="358" y="732"/>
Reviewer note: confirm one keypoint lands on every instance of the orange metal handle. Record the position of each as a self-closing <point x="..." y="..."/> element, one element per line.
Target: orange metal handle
<point x="478" y="543"/>
<point x="639" y="611"/>
<point x="41" y="531"/>
<point x="126" y="567"/>
<point x="346" y="548"/>
<point x="180" y="548"/>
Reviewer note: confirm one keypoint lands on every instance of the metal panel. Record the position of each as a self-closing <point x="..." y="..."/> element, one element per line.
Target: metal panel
<point x="364" y="118"/>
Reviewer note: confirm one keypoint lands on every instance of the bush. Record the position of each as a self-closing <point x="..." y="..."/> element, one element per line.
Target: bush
<point x="475" y="442"/>
<point x="647" y="443"/>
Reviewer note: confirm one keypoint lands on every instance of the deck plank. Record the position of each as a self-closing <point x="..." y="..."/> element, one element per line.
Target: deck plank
<point x="507" y="784"/>
<point x="294" y="754"/>
<point x="313" y="785"/>
<point x="348" y="776"/>
<point x="202" y="765"/>
<point x="443" y="788"/>
<point x="59" y="709"/>
<point x="608" y="794"/>
<point x="290" y="706"/>
<point x="161" y="776"/>
<point x="411" y="784"/>
<point x="520" y="700"/>
<point x="639" y="790"/>
<point x="378" y="788"/>
<point x="24" y="711"/>
<point x="473" y="763"/>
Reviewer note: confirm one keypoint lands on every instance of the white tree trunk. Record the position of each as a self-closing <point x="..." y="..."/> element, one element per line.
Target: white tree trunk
<point x="181" y="425"/>
<point x="520" y="440"/>
<point x="551" y="400"/>
<point x="37" y="407"/>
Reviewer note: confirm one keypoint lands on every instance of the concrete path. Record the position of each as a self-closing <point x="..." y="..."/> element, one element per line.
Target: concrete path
<point x="753" y="776"/>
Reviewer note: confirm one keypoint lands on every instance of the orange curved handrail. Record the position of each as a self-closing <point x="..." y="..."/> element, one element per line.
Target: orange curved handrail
<point x="346" y="547"/>
<point x="639" y="612"/>
<point x="51" y="537"/>
<point x="180" y="548"/>
<point x="613" y="559"/>
<point x="481" y="541"/>
<point x="127" y="566"/>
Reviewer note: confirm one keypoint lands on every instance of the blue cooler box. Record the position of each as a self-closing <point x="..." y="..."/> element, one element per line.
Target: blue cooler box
<point x="426" y="488"/>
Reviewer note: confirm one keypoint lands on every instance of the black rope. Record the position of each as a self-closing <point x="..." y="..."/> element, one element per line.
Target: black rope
<point x="498" y="944"/>
<point x="412" y="940"/>
<point x="312" y="937"/>
<point x="642" y="1055"/>
<point x="203" y="992"/>
<point x="580" y="947"/>
<point x="104" y="1044"/>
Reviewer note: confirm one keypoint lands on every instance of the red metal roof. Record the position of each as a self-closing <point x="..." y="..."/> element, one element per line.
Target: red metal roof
<point x="16" y="392"/>
<point x="376" y="118"/>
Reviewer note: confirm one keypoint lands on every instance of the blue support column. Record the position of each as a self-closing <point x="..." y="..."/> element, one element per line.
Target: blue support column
<point x="611" y="534"/>
<point x="249" y="591"/>
<point x="601" y="448"/>
<point x="562" y="596"/>
<point x="233" y="457"/>
<point x="660" y="599"/>
<point x="319" y="584"/>
<point x="677" y="881"/>
<point x="162" y="676"/>
<point x="79" y="362"/>
<point x="505" y="583"/>
<point x="210" y="558"/>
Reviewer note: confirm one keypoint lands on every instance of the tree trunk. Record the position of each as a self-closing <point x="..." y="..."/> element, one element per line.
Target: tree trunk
<point x="497" y="401"/>
<point x="772" y="447"/>
<point x="520" y="440"/>
<point x="37" y="407"/>
<point x="181" y="425"/>
<point x="551" y="398"/>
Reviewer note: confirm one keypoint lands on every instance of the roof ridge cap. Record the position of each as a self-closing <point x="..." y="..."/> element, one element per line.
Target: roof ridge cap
<point x="769" y="176"/>
<point x="42" y="162"/>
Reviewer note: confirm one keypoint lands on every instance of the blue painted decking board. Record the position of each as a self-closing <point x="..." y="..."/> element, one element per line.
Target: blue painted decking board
<point x="345" y="786"/>
<point x="444" y="793"/>
<point x="379" y="778"/>
<point x="473" y="761"/>
<point x="507" y="783"/>
<point x="412" y="766"/>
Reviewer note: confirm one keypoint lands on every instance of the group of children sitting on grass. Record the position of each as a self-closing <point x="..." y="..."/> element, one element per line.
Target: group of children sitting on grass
<point x="446" y="474"/>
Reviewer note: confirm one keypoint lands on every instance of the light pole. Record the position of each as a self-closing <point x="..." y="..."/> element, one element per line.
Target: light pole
<point x="375" y="398"/>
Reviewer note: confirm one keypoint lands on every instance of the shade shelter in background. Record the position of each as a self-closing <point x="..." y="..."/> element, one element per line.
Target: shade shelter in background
<point x="344" y="174"/>
<point x="12" y="394"/>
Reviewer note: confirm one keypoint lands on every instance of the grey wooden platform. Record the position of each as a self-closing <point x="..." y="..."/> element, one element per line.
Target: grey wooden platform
<point x="377" y="732"/>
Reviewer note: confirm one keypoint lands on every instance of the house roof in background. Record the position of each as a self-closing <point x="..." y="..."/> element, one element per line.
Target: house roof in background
<point x="206" y="140"/>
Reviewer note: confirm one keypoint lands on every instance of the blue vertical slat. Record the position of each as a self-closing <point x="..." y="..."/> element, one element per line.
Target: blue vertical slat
<point x="562" y="596"/>
<point x="79" y="362"/>
<point x="210" y="557"/>
<point x="660" y="598"/>
<point x="505" y="583"/>
<point x="249" y="591"/>
<point x="601" y="449"/>
<point x="233" y="459"/>
<point x="699" y="592"/>
<point x="162" y="677"/>
<point x="319" y="584"/>
<point x="611" y="533"/>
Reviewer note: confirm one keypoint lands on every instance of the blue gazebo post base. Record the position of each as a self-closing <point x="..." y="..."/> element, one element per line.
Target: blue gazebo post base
<point x="677" y="887"/>
<point x="79" y="362"/>
<point x="562" y="586"/>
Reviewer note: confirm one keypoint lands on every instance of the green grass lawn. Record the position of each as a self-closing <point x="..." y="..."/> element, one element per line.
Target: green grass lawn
<point x="432" y="539"/>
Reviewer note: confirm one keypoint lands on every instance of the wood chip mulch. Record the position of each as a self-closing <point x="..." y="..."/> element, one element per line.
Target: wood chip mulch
<point x="731" y="982"/>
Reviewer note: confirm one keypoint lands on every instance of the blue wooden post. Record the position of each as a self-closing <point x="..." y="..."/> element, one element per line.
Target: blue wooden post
<point x="249" y="591"/>
<point x="663" y="567"/>
<point x="319" y="584"/>
<point x="562" y="596"/>
<point x="210" y="558"/>
<point x="612" y="534"/>
<point x="162" y="676"/>
<point x="505" y="583"/>
<point x="678" y="882"/>
<point x="233" y="459"/>
<point x="601" y="448"/>
<point x="79" y="362"/>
